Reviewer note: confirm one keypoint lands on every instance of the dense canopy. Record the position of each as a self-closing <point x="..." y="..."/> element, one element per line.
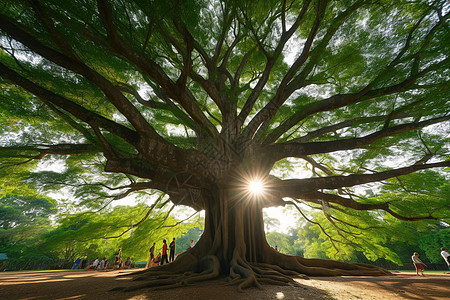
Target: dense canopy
<point x="196" y="99"/>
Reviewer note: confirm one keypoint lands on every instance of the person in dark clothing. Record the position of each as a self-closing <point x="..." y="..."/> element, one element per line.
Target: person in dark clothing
<point x="172" y="251"/>
<point x="164" y="254"/>
<point x="152" y="256"/>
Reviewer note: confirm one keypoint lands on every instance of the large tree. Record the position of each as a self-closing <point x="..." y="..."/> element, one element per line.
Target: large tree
<point x="199" y="98"/>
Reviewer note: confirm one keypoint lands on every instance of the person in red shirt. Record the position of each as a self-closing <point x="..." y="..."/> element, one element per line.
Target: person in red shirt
<point x="164" y="254"/>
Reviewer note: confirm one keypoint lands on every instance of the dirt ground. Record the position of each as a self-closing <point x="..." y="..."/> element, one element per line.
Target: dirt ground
<point x="97" y="285"/>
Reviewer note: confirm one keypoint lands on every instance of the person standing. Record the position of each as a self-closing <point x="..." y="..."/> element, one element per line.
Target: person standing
<point x="418" y="263"/>
<point x="172" y="251"/>
<point x="118" y="261"/>
<point x="152" y="257"/>
<point x="192" y="244"/>
<point x="164" y="253"/>
<point x="446" y="256"/>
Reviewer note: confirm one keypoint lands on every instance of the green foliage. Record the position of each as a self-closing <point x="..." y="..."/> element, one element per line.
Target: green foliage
<point x="36" y="244"/>
<point x="101" y="234"/>
<point x="18" y="211"/>
<point x="184" y="242"/>
<point x="285" y="243"/>
<point x="432" y="241"/>
<point x="23" y="220"/>
<point x="378" y="235"/>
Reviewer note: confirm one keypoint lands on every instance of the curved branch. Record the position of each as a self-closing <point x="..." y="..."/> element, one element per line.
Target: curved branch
<point x="330" y="238"/>
<point x="111" y="92"/>
<point x="42" y="151"/>
<point x="296" y="188"/>
<point x="149" y="211"/>
<point x="294" y="149"/>
<point x="179" y="222"/>
<point x="178" y="92"/>
<point x="168" y="105"/>
<point x="71" y="107"/>
<point x="350" y="203"/>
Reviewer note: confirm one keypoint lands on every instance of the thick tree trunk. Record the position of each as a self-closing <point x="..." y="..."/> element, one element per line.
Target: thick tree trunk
<point x="234" y="226"/>
<point x="233" y="245"/>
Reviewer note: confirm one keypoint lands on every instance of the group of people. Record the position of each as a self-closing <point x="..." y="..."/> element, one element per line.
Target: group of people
<point x="167" y="255"/>
<point x="101" y="265"/>
<point x="98" y="265"/>
<point x="162" y="259"/>
<point x="418" y="263"/>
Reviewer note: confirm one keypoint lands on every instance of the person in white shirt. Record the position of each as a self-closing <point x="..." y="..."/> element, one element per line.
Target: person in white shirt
<point x="192" y="244"/>
<point x="446" y="256"/>
<point x="418" y="263"/>
<point x="95" y="264"/>
<point x="102" y="264"/>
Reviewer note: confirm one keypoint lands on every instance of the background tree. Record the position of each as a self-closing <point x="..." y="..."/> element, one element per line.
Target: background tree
<point x="271" y="224"/>
<point x="184" y="242"/>
<point x="133" y="229"/>
<point x="198" y="98"/>
<point x="38" y="244"/>
<point x="23" y="219"/>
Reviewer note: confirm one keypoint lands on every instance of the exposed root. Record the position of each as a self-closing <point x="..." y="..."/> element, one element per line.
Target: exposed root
<point x="269" y="281"/>
<point x="246" y="274"/>
<point x="266" y="268"/>
<point x="322" y="267"/>
<point x="239" y="267"/>
<point x="162" y="279"/>
<point x="269" y="267"/>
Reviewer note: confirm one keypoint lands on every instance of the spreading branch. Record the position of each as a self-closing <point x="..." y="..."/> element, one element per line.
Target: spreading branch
<point x="295" y="188"/>
<point x="298" y="149"/>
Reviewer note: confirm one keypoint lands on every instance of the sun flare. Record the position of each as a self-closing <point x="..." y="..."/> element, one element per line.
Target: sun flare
<point x="256" y="187"/>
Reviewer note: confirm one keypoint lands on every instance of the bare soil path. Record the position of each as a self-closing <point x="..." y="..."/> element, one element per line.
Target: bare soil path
<point x="97" y="285"/>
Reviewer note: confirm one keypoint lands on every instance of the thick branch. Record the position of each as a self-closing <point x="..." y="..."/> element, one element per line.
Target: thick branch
<point x="365" y="93"/>
<point x="112" y="93"/>
<point x="296" y="188"/>
<point x="36" y="152"/>
<point x="350" y="203"/>
<point x="167" y="106"/>
<point x="294" y="149"/>
<point x="149" y="142"/>
<point x="73" y="108"/>
<point x="153" y="70"/>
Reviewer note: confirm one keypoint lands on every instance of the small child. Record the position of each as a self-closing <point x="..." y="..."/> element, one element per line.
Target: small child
<point x="418" y="263"/>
